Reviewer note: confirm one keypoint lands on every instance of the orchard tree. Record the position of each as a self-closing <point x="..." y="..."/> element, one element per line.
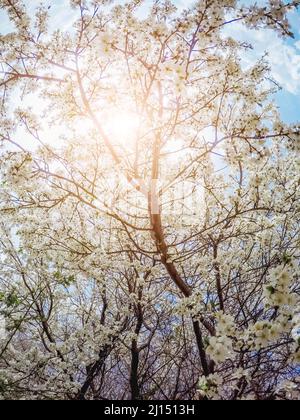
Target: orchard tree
<point x="149" y="205"/>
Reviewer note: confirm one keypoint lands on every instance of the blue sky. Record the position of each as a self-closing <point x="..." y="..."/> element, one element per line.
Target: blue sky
<point x="290" y="103"/>
<point x="284" y="55"/>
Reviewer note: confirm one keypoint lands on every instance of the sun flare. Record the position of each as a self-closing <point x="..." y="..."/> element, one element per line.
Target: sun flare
<point x="122" y="127"/>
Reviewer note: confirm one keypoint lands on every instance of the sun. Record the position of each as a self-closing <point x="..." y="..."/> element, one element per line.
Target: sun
<point x="122" y="127"/>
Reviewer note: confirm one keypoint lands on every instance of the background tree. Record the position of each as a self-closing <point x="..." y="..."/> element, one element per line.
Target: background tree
<point x="148" y="206"/>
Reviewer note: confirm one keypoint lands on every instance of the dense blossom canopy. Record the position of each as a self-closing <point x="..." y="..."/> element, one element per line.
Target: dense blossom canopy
<point x="149" y="205"/>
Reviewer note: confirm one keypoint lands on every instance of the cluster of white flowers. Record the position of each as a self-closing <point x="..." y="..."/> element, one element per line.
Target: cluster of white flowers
<point x="18" y="14"/>
<point x="296" y="337"/>
<point x="175" y="73"/>
<point x="225" y="324"/>
<point x="277" y="292"/>
<point x="220" y="346"/>
<point x="76" y="3"/>
<point x="294" y="143"/>
<point x="17" y="170"/>
<point x="263" y="333"/>
<point x="209" y="386"/>
<point x="158" y="30"/>
<point x="190" y="306"/>
<point x="290" y="389"/>
<point x="273" y="16"/>
<point x="105" y="43"/>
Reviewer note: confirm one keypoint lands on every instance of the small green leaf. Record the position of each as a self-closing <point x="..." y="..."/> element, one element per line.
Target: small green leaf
<point x="68" y="281"/>
<point x="12" y="300"/>
<point x="271" y="289"/>
<point x="206" y="342"/>
<point x="65" y="281"/>
<point x="286" y="258"/>
<point x="57" y="275"/>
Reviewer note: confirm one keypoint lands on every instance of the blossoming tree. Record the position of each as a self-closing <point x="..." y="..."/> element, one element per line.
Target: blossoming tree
<point x="149" y="205"/>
